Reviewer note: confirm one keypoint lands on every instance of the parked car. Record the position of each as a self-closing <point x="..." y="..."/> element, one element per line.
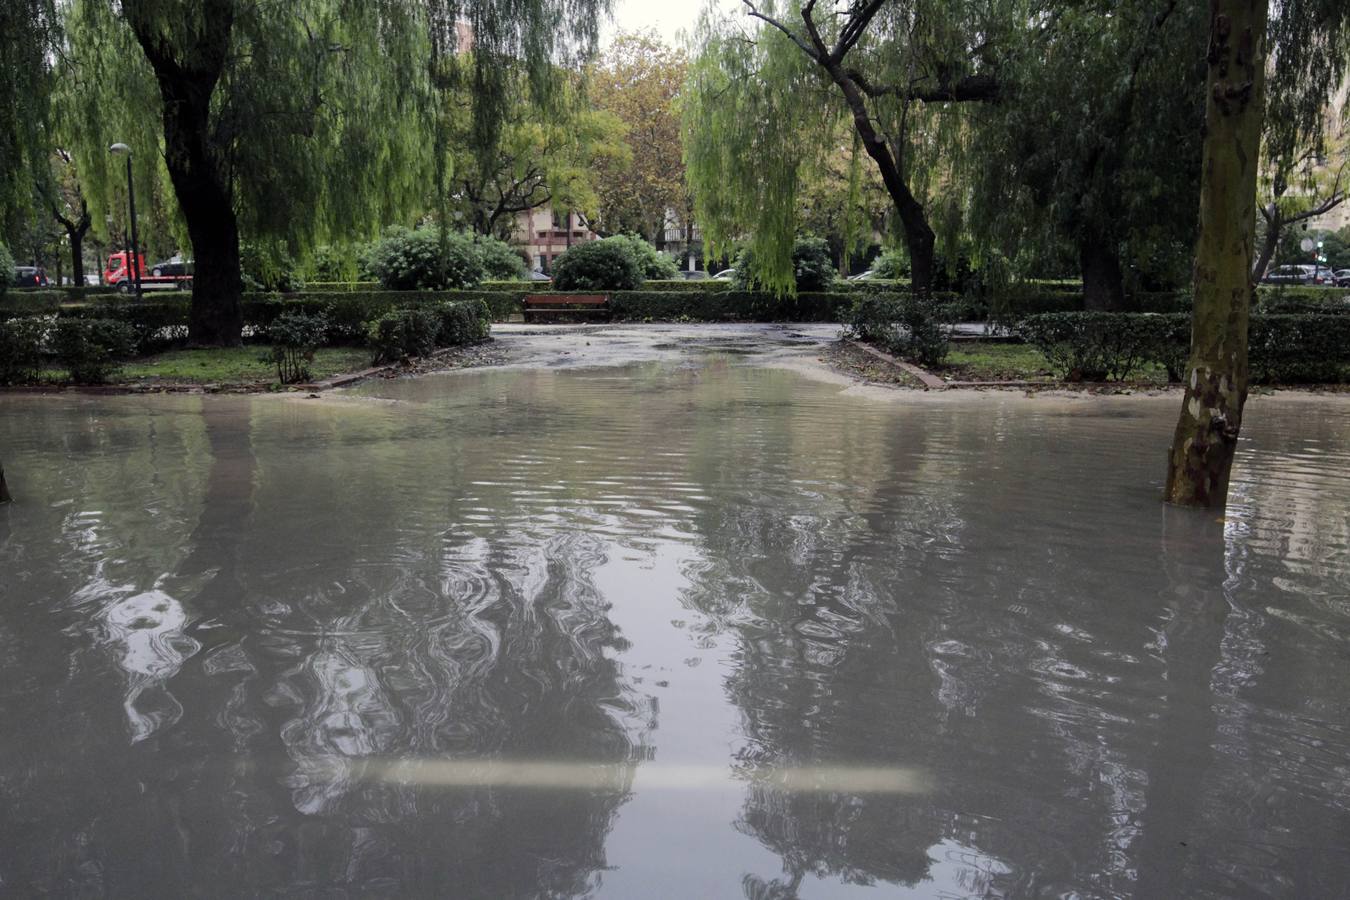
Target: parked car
<point x="696" y="275"/>
<point x="30" y="276"/>
<point x="174" y="265"/>
<point x="1289" y="275"/>
<point x="1342" y="278"/>
<point x="725" y="275"/>
<point x="864" y="276"/>
<point x="538" y="276"/>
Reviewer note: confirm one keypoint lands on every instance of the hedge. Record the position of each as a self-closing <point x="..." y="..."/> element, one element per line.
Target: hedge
<point x="1282" y="349"/>
<point x="908" y="326"/>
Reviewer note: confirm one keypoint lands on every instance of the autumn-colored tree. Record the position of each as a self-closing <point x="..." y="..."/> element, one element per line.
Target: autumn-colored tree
<point x="638" y="79"/>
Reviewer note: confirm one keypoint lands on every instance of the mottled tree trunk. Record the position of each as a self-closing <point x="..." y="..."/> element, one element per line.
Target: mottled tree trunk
<point x="1103" y="281"/>
<point x="1201" y="455"/>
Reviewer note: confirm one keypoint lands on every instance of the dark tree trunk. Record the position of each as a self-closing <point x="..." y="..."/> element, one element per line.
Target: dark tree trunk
<point x="199" y="177"/>
<point x="1103" y="281"/>
<point x="4" y="488"/>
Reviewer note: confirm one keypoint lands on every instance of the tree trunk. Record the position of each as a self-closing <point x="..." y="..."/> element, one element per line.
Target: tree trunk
<point x="1103" y="281"/>
<point x="199" y="178"/>
<point x="1201" y="456"/>
<point x="1274" y="225"/>
<point x="77" y="257"/>
<point x="5" y="496"/>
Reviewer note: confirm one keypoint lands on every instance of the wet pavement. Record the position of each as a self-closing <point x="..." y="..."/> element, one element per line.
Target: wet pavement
<point x="702" y="621"/>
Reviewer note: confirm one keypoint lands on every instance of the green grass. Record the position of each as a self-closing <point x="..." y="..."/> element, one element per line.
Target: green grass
<point x="235" y="365"/>
<point x="980" y="361"/>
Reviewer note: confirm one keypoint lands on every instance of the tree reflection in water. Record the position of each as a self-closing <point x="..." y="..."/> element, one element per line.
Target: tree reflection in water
<point x="256" y="766"/>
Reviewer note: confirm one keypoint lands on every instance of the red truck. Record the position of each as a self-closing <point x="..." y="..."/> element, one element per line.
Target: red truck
<point x="166" y="276"/>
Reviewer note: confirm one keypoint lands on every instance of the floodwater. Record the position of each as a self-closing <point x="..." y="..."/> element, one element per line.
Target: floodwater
<point x="690" y="628"/>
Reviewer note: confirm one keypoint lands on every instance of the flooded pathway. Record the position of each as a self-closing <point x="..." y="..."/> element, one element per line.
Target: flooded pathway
<point x="682" y="625"/>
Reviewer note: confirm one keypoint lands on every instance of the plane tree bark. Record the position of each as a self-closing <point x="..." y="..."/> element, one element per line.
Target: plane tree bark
<point x="1201" y="456"/>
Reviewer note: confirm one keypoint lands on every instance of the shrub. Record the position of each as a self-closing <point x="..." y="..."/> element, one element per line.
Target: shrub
<point x="403" y="333"/>
<point x="499" y="260"/>
<point x="604" y="265"/>
<point x="461" y="323"/>
<point x="156" y="322"/>
<point x="92" y="349"/>
<point x="811" y="266"/>
<point x="1096" y="346"/>
<point x="21" y="349"/>
<point x="652" y="262"/>
<point x="905" y="325"/>
<point x="419" y="260"/>
<point x="295" y="336"/>
<point x="891" y="264"/>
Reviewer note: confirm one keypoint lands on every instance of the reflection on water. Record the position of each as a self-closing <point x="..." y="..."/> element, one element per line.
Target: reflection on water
<point x="697" y="630"/>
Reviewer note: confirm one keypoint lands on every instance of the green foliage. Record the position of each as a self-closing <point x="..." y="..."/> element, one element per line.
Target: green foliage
<point x="92" y="349"/>
<point x="500" y="261"/>
<point x="268" y="267"/>
<point x="295" y="336"/>
<point x="1299" y="349"/>
<point x="462" y="323"/>
<point x="29" y="33"/>
<point x="812" y="269"/>
<point x="332" y="263"/>
<point x="604" y="265"/>
<point x="1096" y="346"/>
<point x="652" y="262"/>
<point x="1283" y="349"/>
<point x="426" y="259"/>
<point x="891" y="263"/>
<point x="21" y="341"/>
<point x="907" y="326"/>
<point x="6" y="270"/>
<point x="403" y="334"/>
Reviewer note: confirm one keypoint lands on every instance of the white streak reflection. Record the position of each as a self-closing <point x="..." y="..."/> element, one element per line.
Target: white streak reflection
<point x="581" y="776"/>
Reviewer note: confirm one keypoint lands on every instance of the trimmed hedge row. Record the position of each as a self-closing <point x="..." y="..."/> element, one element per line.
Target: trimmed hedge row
<point x="1283" y="349"/>
<point x="90" y="349"/>
<point x="90" y="339"/>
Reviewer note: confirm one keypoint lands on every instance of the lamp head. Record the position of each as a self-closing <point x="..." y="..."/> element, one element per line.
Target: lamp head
<point x="120" y="149"/>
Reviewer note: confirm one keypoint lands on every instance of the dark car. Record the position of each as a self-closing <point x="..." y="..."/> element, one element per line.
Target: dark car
<point x="30" y="276"/>
<point x="173" y="266"/>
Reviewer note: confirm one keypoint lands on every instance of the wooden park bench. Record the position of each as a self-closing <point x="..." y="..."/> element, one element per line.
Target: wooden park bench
<point x="566" y="304"/>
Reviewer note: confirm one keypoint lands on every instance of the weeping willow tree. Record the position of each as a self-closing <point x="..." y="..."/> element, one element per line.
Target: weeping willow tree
<point x="1307" y="41"/>
<point x="290" y="123"/>
<point x="762" y="98"/>
<point x="28" y="35"/>
<point x="1095" y="143"/>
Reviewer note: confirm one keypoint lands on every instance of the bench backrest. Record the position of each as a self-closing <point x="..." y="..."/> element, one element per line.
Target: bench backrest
<point x="566" y="299"/>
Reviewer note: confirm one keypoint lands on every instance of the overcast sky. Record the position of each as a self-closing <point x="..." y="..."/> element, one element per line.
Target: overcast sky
<point x="667" y="17"/>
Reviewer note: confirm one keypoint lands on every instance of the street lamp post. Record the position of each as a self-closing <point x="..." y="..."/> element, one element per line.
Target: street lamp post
<point x="133" y="257"/>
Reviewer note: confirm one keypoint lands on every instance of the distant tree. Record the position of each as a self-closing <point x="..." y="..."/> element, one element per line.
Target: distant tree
<point x="638" y="80"/>
<point x="1295" y="190"/>
<point x="759" y="103"/>
<point x="543" y="155"/>
<point x="299" y="121"/>
<point x="1095" y="140"/>
<point x="29" y="34"/>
